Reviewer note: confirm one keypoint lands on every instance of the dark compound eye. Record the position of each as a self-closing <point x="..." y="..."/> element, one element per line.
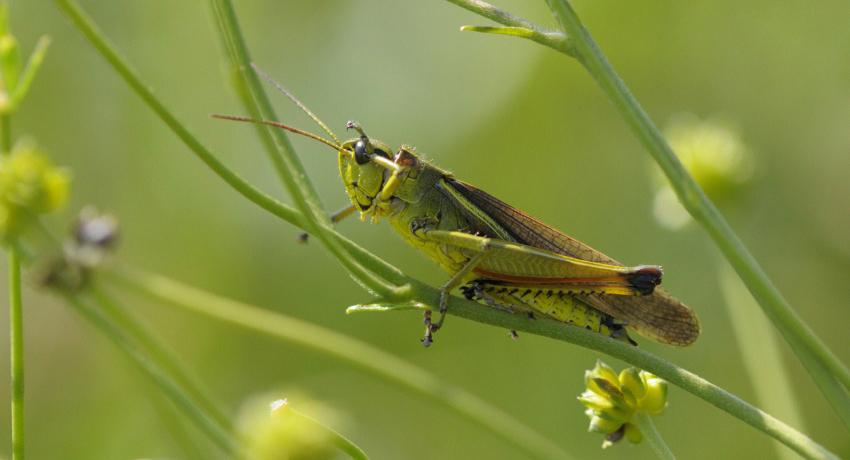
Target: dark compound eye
<point x="361" y="152"/>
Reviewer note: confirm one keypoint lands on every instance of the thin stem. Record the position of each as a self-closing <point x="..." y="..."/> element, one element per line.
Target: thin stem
<point x="833" y="391"/>
<point x="16" y="319"/>
<point x="402" y="372"/>
<point x="218" y="434"/>
<point x="553" y="39"/>
<point x="286" y="162"/>
<point x="159" y="353"/>
<point x="791" y="325"/>
<point x="264" y="201"/>
<point x="119" y="64"/>
<point x="640" y="358"/>
<point x="647" y="427"/>
<point x="16" y="334"/>
<point x="380" y="363"/>
<point x="762" y="357"/>
<point x="337" y="439"/>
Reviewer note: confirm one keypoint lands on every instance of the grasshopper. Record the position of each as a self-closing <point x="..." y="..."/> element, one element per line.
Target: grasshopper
<point x="496" y="254"/>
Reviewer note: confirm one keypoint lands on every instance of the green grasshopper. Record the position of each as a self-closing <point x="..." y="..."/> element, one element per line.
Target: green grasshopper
<point x="495" y="253"/>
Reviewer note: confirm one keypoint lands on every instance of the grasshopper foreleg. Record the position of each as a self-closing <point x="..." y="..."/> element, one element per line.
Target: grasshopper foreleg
<point x="335" y="217"/>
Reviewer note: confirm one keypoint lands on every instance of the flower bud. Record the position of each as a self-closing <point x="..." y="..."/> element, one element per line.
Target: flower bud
<point x="613" y="399"/>
<point x="713" y="153"/>
<point x="632" y="383"/>
<point x="655" y="399"/>
<point x="277" y="431"/>
<point x="29" y="185"/>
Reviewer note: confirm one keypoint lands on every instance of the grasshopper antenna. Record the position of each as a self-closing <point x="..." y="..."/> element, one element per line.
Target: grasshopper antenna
<point x="315" y="137"/>
<point x="295" y="100"/>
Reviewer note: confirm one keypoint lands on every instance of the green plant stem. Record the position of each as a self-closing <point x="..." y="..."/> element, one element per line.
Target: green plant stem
<point x="286" y="163"/>
<point x="337" y="439"/>
<point x="119" y="64"/>
<point x="761" y="353"/>
<point x="159" y="353"/>
<point x="651" y="435"/>
<point x="790" y="325"/>
<point x="461" y="307"/>
<point x="218" y="434"/>
<point x="578" y="43"/>
<point x="552" y="39"/>
<point x="386" y="365"/>
<point x="16" y="319"/>
<point x="835" y="394"/>
<point x="173" y="426"/>
<point x="372" y="359"/>
<point x="264" y="201"/>
<point x="16" y="351"/>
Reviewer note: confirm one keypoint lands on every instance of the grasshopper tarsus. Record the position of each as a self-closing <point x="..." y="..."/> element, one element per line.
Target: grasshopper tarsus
<point x="428" y="338"/>
<point x="303" y="238"/>
<point x="513" y="334"/>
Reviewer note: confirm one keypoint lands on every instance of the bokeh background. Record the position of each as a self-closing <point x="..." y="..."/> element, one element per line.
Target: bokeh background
<point x="518" y="120"/>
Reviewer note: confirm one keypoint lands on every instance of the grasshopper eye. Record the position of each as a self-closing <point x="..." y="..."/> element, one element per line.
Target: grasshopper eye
<point x="361" y="152"/>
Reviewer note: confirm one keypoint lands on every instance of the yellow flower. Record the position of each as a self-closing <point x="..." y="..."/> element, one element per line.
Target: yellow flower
<point x="276" y="431"/>
<point x="612" y="400"/>
<point x="29" y="185"/>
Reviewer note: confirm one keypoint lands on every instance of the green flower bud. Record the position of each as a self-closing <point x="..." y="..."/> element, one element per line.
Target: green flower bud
<point x="602" y="425"/>
<point x="633" y="434"/>
<point x="277" y="431"/>
<point x="604" y="371"/>
<point x="655" y="399"/>
<point x="613" y="399"/>
<point x="594" y="401"/>
<point x="10" y="63"/>
<point x="632" y="383"/>
<point x="716" y="157"/>
<point x="29" y="185"/>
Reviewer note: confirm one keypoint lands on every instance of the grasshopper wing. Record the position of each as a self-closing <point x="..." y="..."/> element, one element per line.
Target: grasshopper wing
<point x="657" y="315"/>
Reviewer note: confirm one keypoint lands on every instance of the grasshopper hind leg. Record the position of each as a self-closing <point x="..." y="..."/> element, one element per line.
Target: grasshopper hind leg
<point x="561" y="306"/>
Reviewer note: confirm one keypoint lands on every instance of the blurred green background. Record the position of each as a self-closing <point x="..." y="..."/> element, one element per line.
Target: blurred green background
<point x="518" y="120"/>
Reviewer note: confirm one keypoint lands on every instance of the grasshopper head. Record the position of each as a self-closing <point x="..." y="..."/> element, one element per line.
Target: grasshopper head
<point x="363" y="167"/>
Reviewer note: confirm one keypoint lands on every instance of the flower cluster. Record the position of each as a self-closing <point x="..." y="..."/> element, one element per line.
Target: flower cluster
<point x="612" y="400"/>
<point x="29" y="185"/>
<point x="716" y="157"/>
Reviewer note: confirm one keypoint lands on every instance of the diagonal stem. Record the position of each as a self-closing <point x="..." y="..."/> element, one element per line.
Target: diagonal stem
<point x="355" y="352"/>
<point x="785" y="318"/>
<point x="650" y="433"/>
<point x="219" y="434"/>
<point x="286" y="163"/>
